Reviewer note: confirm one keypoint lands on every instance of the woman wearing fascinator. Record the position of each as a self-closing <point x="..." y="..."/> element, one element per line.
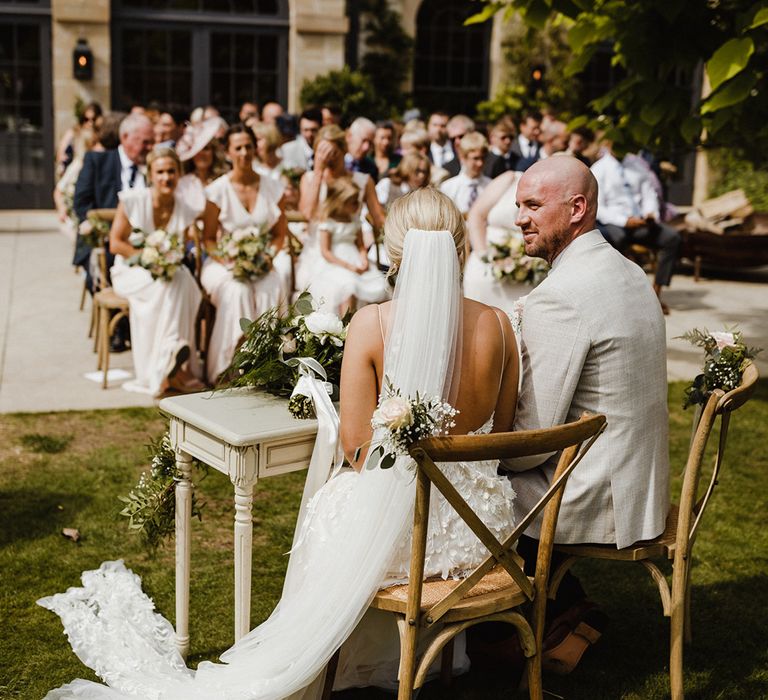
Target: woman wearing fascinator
<point x="428" y="339"/>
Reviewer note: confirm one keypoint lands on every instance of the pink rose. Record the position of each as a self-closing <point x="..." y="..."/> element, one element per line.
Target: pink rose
<point x="724" y="340"/>
<point x="394" y="413"/>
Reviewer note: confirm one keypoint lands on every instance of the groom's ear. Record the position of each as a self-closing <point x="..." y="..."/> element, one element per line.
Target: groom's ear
<point x="578" y="208"/>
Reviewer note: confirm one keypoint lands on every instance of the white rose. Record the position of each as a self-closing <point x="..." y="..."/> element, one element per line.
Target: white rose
<point x="288" y="345"/>
<point x="323" y="322"/>
<point x="156" y="238"/>
<point x="136" y="239"/>
<point x="394" y="413"/>
<point x="149" y="256"/>
<point x="240" y="234"/>
<point x="497" y="236"/>
<point x="232" y="250"/>
<point x="724" y="340"/>
<point x="86" y="227"/>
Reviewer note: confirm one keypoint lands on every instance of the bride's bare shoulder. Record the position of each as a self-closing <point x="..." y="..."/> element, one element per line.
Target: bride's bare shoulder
<point x="483" y="313"/>
<point x="365" y="326"/>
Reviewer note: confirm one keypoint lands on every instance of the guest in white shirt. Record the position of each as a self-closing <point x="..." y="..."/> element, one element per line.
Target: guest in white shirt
<point x="459" y="125"/>
<point x="527" y="146"/>
<point x="500" y="156"/>
<point x="470" y="182"/>
<point x="628" y="212"/>
<point x="417" y="141"/>
<point x="299" y="154"/>
<point x="440" y="150"/>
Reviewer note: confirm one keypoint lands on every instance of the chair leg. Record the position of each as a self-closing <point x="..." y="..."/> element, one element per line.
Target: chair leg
<point x="533" y="673"/>
<point x="446" y="664"/>
<point x="408" y="641"/>
<point x="82" y="297"/>
<point x="104" y="345"/>
<point x="687" y="629"/>
<point x="677" y="628"/>
<point x="98" y="346"/>
<point x="330" y="675"/>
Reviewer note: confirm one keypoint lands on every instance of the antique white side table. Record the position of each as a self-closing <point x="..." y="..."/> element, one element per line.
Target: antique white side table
<point x="246" y="435"/>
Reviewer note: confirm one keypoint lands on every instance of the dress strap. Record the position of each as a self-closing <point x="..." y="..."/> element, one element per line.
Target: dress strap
<point x="381" y="327"/>
<point x="503" y="348"/>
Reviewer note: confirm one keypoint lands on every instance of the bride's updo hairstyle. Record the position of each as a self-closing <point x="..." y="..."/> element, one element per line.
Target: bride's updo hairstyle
<point x="427" y="209"/>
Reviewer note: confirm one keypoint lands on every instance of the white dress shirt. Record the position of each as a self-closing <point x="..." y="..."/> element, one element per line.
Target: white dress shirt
<point x="126" y="165"/>
<point x="297" y="154"/>
<point x="460" y="188"/>
<point x="441" y="154"/>
<point x="529" y="149"/>
<point x="623" y="191"/>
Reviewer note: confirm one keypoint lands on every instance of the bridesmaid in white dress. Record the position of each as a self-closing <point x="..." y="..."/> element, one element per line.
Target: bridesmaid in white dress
<point x="330" y="147"/>
<point x="239" y="199"/>
<point x="492" y="217"/>
<point x="162" y="313"/>
<point x="199" y="152"/>
<point x="344" y="278"/>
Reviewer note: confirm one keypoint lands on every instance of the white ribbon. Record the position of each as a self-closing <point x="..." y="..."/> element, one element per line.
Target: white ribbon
<point x="327" y="457"/>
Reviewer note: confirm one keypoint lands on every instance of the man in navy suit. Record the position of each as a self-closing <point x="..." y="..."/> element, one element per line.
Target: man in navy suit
<point x="526" y="148"/>
<point x="103" y="176"/>
<point x="106" y="173"/>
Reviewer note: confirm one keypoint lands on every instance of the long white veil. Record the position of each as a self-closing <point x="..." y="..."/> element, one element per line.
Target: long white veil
<point x="350" y="531"/>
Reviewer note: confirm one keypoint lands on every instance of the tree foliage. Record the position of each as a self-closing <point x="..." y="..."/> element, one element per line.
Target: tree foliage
<point x="351" y="90"/>
<point x="661" y="46"/>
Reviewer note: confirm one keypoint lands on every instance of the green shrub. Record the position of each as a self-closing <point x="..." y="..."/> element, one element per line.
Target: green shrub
<point x="351" y="90"/>
<point x="731" y="172"/>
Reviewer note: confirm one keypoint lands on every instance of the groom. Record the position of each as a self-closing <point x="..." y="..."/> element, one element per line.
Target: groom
<point x="593" y="339"/>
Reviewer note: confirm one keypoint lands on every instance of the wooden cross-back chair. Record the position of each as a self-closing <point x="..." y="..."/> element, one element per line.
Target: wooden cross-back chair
<point x="206" y="313"/>
<point x="677" y="540"/>
<point x="294" y="245"/>
<point x="497" y="589"/>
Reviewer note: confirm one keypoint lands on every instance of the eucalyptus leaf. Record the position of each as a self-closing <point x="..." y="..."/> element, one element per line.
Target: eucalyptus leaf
<point x="245" y="324"/>
<point x="387" y="461"/>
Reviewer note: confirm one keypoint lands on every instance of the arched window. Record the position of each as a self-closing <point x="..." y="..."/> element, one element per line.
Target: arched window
<point x="450" y="67"/>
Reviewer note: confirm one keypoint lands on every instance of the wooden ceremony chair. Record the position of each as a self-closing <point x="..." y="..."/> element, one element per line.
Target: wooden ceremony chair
<point x="677" y="540"/>
<point x="206" y="313"/>
<point x="497" y="589"/>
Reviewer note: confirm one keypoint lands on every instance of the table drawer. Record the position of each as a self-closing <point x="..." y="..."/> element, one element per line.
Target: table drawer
<point x="286" y="455"/>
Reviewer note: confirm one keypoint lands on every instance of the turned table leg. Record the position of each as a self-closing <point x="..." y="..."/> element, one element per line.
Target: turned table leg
<point x="243" y="548"/>
<point x="183" y="548"/>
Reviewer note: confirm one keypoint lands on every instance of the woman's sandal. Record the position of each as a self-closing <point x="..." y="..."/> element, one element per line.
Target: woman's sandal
<point x="565" y="656"/>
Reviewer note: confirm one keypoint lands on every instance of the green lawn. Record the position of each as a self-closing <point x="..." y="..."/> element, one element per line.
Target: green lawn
<point x="66" y="469"/>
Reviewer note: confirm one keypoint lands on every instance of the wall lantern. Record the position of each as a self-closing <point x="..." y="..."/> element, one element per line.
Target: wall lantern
<point x="82" y="61"/>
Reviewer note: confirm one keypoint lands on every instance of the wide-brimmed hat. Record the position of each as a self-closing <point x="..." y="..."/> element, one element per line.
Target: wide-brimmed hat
<point x="197" y="136"/>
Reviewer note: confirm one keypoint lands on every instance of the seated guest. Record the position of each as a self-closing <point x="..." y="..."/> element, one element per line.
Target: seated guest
<point x="417" y="141"/>
<point x="168" y="128"/>
<point x="267" y="162"/>
<point x="84" y="140"/>
<point x="238" y="200"/>
<point x="106" y="173"/>
<point x="526" y="148"/>
<point x="343" y="278"/>
<point x="553" y="138"/>
<point x="458" y="126"/>
<point x="628" y="212"/>
<point x="299" y="153"/>
<point x="331" y="114"/>
<point x="162" y="312"/>
<point x="359" y="141"/>
<point x="384" y="142"/>
<point x="202" y="162"/>
<point x="579" y="141"/>
<point x="470" y="182"/>
<point x="89" y="118"/>
<point x="500" y="157"/>
<point x="410" y="174"/>
<point x="440" y="149"/>
<point x="270" y="112"/>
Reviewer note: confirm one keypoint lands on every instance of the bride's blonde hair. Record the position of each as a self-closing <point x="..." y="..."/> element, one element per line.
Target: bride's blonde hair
<point x="427" y="209"/>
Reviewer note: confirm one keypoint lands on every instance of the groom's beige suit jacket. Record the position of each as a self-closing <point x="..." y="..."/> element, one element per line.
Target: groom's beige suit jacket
<point x="594" y="339"/>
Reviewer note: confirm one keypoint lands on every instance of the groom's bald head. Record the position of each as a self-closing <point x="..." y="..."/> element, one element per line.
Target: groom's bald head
<point x="557" y="200"/>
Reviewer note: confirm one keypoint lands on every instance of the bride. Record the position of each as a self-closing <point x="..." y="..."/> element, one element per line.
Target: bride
<point x="353" y="535"/>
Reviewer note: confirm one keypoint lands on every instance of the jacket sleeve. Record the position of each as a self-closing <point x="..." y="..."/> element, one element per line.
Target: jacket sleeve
<point x="555" y="343"/>
<point x="85" y="187"/>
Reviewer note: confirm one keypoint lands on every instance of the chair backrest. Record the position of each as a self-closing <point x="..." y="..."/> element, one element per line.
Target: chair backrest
<point x="567" y="439"/>
<point x="719" y="405"/>
<point x="107" y="215"/>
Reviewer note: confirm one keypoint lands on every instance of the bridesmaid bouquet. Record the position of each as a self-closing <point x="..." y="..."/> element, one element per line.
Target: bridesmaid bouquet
<point x="509" y="263"/>
<point x="93" y="230"/>
<point x="406" y="421"/>
<point x="276" y="346"/>
<point x="725" y="356"/>
<point x="160" y="252"/>
<point x="247" y="252"/>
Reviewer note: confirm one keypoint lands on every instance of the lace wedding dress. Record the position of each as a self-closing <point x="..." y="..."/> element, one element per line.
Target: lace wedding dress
<point x="353" y="537"/>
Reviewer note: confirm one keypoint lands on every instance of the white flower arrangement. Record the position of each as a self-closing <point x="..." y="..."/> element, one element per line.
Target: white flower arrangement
<point x="509" y="263"/>
<point x="406" y="421"/>
<point x="247" y="252"/>
<point x="161" y="252"/>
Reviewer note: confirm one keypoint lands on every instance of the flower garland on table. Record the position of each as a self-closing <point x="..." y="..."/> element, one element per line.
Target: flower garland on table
<point x="247" y="252"/>
<point x="93" y="230"/>
<point x="725" y="357"/>
<point x="509" y="263"/>
<point x="278" y="348"/>
<point x="406" y="421"/>
<point x="151" y="505"/>
<point x="160" y="252"/>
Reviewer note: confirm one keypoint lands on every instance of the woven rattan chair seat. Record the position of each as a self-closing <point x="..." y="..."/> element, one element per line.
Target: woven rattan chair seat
<point x="496" y="590"/>
<point x="110" y="299"/>
<point x="662" y="546"/>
